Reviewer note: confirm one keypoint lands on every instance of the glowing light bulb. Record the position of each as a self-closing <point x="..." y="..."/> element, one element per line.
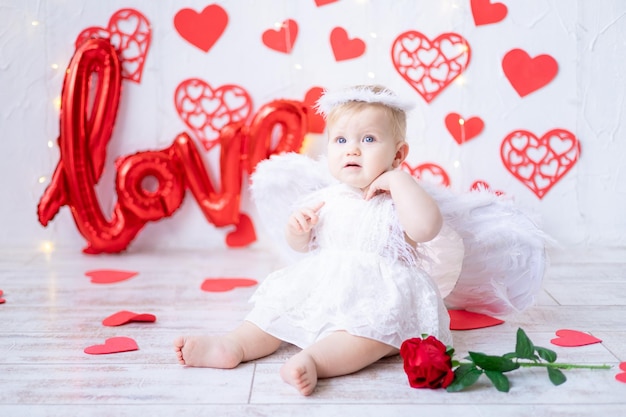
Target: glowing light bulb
<point x="461" y="122"/>
<point x="41" y="179"/>
<point x="54" y="66"/>
<point x="57" y="103"/>
<point x="298" y="66"/>
<point x="457" y="164"/>
<point x="460" y="80"/>
<point x="371" y="75"/>
<point x="50" y="144"/>
<point x="35" y="23"/>
<point x="373" y="35"/>
<point x="47" y="247"/>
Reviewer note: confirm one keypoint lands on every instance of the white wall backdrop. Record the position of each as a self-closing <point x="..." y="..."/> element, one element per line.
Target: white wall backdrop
<point x="585" y="208"/>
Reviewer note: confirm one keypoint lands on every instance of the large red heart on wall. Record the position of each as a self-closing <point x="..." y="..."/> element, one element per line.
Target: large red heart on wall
<point x="428" y="172"/>
<point x="539" y="163"/>
<point x="201" y="29"/>
<point x="206" y="110"/>
<point x="430" y="66"/>
<point x="129" y="32"/>
<point x="528" y="74"/>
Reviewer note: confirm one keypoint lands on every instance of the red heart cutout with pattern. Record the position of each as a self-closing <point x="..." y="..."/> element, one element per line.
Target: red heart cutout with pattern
<point x="124" y="317"/>
<point x="226" y="284"/>
<point x="206" y="110"/>
<point x="129" y="32"/>
<point x="622" y="377"/>
<point x="467" y="320"/>
<point x="430" y="66"/>
<point x="113" y="345"/>
<point x="573" y="338"/>
<point x="485" y="12"/>
<point x="282" y="39"/>
<point x="315" y="120"/>
<point x="528" y="74"/>
<point x="319" y="3"/>
<point x="539" y="163"/>
<point x="343" y="47"/>
<point x="480" y="185"/>
<point x="243" y="234"/>
<point x="462" y="129"/>
<point x="430" y="173"/>
<point x="109" y="276"/>
<point x="202" y="29"/>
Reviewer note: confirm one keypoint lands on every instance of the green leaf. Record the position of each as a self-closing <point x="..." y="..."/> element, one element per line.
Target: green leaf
<point x="556" y="376"/>
<point x="464" y="376"/>
<point x="546" y="354"/>
<point x="524" y="348"/>
<point x="499" y="380"/>
<point x="493" y="363"/>
<point x="511" y="355"/>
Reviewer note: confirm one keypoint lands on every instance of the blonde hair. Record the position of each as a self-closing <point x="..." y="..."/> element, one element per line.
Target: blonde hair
<point x="397" y="115"/>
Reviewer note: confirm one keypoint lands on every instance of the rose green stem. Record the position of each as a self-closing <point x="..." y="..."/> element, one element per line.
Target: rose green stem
<point x="562" y="365"/>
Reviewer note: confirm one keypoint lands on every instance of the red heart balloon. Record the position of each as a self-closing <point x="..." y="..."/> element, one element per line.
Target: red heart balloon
<point x="113" y="345"/>
<point x="572" y="338"/>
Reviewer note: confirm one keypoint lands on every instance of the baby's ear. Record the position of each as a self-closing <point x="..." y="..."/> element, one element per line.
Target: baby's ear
<point x="401" y="153"/>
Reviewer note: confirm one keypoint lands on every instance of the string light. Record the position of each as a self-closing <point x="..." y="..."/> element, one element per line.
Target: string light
<point x="457" y="164"/>
<point x="41" y="179"/>
<point x="461" y="122"/>
<point x="54" y="66"/>
<point x="50" y="144"/>
<point x="35" y="23"/>
<point x="373" y="35"/>
<point x="371" y="75"/>
<point x="46" y="247"/>
<point x="298" y="66"/>
<point x="57" y="103"/>
<point x="460" y="80"/>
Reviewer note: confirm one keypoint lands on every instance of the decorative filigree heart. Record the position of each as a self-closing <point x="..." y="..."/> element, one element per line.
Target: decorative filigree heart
<point x="430" y="173"/>
<point x="130" y="33"/>
<point x="430" y="66"/>
<point x="539" y="163"/>
<point x="206" y="110"/>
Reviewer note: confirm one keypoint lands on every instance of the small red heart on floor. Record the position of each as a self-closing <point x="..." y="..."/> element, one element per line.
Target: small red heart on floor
<point x="109" y="276"/>
<point x="324" y="2"/>
<point x="243" y="235"/>
<point x="466" y="320"/>
<point x="113" y="345"/>
<point x="622" y="377"/>
<point x="572" y="338"/>
<point x="123" y="317"/>
<point x="226" y="284"/>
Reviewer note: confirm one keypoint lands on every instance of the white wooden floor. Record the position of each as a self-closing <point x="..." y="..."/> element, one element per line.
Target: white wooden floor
<point x="53" y="312"/>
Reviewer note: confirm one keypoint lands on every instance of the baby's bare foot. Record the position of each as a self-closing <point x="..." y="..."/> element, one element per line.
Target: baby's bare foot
<point x="207" y="352"/>
<point x="300" y="371"/>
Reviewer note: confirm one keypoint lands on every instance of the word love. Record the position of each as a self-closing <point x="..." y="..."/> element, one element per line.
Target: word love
<point x="86" y="124"/>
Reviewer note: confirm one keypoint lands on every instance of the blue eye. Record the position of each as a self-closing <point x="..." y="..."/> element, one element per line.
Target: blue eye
<point x="369" y="139"/>
<point x="341" y="140"/>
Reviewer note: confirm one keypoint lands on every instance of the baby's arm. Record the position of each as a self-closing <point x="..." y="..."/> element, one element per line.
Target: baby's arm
<point x="418" y="213"/>
<point x="299" y="227"/>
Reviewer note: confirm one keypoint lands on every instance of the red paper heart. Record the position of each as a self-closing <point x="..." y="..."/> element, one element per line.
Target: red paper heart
<point x="129" y="31"/>
<point x="430" y="66"/>
<point x="124" y="317"/>
<point x="226" y="284"/>
<point x="528" y="74"/>
<point x="324" y="2"/>
<point x="316" y="121"/>
<point x="622" y="377"/>
<point x="466" y="320"/>
<point x="485" y="12"/>
<point x="343" y="47"/>
<point x="431" y="173"/>
<point x="283" y="39"/>
<point x="462" y="129"/>
<point x="573" y="338"/>
<point x="109" y="276"/>
<point x="202" y="29"/>
<point x="243" y="234"/>
<point x="480" y="185"/>
<point x="113" y="345"/>
<point x="539" y="163"/>
<point x="206" y="110"/>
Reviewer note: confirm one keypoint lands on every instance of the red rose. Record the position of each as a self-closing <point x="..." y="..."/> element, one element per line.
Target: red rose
<point x="426" y="363"/>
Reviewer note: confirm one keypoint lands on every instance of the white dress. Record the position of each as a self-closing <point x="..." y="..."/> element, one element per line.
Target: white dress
<point x="362" y="277"/>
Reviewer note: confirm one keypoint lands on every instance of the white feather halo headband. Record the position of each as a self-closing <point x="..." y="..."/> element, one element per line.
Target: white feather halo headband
<point x="366" y="94"/>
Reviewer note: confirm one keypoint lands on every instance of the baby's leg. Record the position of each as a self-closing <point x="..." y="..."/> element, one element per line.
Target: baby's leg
<point x="245" y="343"/>
<point x="338" y="354"/>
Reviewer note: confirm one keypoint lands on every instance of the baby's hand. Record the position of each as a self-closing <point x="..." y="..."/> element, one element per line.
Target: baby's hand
<point x="302" y="220"/>
<point x="380" y="185"/>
